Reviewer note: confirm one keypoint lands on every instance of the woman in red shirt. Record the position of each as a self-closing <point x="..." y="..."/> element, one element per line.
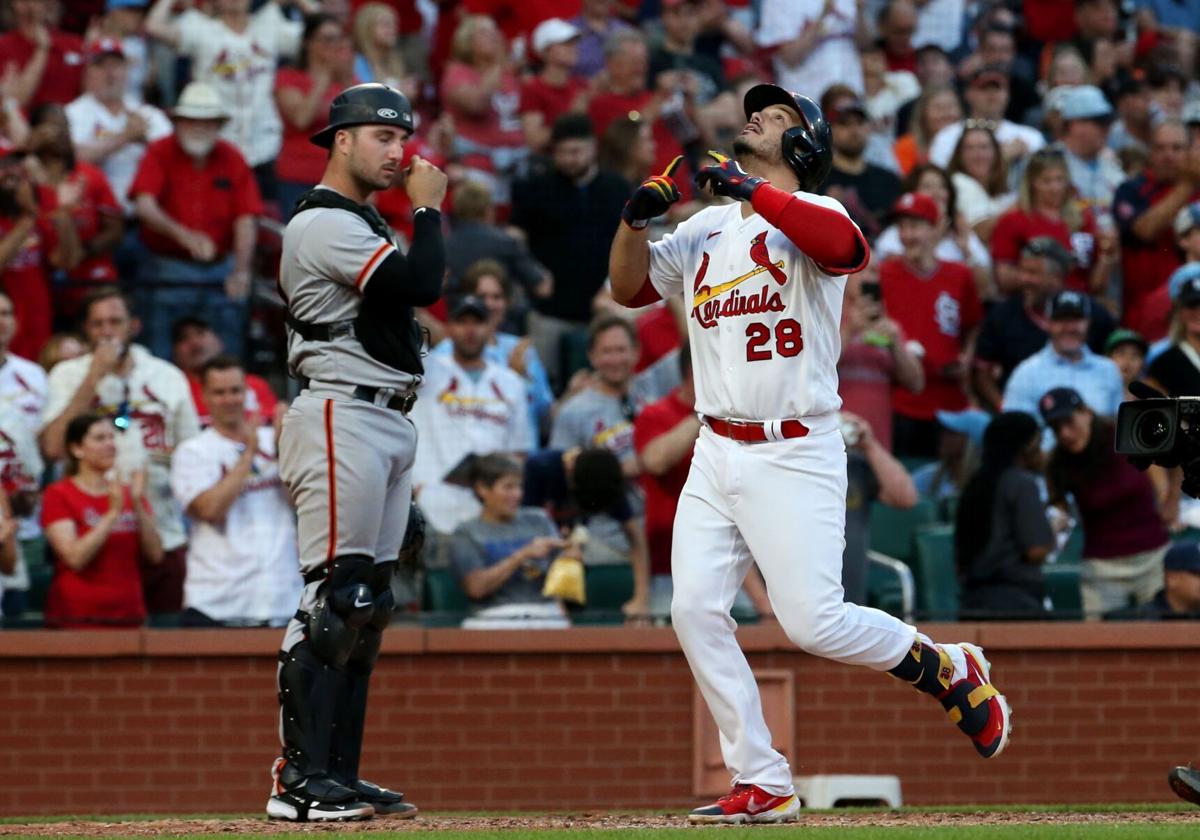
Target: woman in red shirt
<point x="482" y="93"/>
<point x="98" y="530"/>
<point x="304" y="94"/>
<point x="1046" y="206"/>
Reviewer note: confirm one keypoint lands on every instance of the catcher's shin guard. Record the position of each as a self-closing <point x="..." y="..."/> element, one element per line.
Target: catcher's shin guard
<point x="312" y="673"/>
<point x="351" y="708"/>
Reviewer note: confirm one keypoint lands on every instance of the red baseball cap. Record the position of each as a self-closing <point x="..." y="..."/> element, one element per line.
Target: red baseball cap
<point x="917" y="205"/>
<point x="104" y="46"/>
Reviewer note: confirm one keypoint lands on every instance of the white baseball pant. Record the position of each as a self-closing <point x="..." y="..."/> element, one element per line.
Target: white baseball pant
<point x="781" y="505"/>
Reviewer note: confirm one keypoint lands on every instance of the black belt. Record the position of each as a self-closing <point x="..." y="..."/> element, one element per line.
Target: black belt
<point x="320" y="332"/>
<point x="400" y="402"/>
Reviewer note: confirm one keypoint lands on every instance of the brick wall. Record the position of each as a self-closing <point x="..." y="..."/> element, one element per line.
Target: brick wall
<point x="591" y="718"/>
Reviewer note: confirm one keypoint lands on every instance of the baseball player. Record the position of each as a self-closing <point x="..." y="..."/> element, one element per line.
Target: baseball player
<point x="347" y="446"/>
<point x="759" y="279"/>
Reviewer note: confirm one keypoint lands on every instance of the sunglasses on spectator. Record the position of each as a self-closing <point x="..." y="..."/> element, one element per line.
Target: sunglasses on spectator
<point x="973" y="123"/>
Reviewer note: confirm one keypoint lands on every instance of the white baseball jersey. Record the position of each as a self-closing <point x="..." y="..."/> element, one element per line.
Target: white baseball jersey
<point x="158" y="403"/>
<point x="22" y="397"/>
<point x="91" y="122"/>
<point x="244" y="568"/>
<point x="763" y="318"/>
<point x="460" y="413"/>
<point x="241" y="67"/>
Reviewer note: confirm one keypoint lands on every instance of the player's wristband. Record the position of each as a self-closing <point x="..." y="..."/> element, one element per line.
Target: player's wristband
<point x="636" y="224"/>
<point x="437" y="214"/>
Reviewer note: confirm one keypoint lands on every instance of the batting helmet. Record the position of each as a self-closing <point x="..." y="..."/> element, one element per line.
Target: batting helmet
<point x="367" y="104"/>
<point x="808" y="147"/>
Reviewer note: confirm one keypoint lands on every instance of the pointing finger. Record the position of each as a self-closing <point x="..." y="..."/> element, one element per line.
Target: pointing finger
<point x="717" y="156"/>
<point x="670" y="170"/>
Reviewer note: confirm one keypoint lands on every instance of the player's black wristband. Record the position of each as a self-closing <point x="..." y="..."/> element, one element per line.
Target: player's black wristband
<point x="431" y="212"/>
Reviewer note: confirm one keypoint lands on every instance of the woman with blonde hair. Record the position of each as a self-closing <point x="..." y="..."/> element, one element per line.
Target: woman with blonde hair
<point x="980" y="176"/>
<point x="377" y="49"/>
<point x="481" y="93"/>
<point x="1046" y="206"/>
<point x="935" y="109"/>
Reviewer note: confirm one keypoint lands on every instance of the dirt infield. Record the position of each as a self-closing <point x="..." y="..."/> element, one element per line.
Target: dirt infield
<point x="441" y="822"/>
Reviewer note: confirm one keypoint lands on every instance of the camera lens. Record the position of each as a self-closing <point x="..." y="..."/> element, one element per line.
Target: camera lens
<point x="1152" y="430"/>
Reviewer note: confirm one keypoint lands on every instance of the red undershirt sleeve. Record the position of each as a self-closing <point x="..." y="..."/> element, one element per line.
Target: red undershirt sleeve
<point x="832" y="241"/>
<point x="645" y="296"/>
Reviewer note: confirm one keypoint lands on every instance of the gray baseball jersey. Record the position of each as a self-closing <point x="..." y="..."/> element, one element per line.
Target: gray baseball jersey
<point x="329" y="257"/>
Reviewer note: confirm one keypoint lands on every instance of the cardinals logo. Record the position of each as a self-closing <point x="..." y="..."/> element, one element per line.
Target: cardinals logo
<point x="706" y="309"/>
<point x="761" y="257"/>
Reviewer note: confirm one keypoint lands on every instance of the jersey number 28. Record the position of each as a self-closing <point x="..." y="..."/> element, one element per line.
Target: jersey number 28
<point x="788" y="340"/>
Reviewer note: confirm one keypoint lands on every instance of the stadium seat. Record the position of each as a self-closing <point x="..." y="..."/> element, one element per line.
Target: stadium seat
<point x="40" y="575"/>
<point x="889" y="581"/>
<point x="936" y="574"/>
<point x="607" y="588"/>
<point x="892" y="529"/>
<point x="1062" y="585"/>
<point x="446" y="605"/>
<point x="1072" y="552"/>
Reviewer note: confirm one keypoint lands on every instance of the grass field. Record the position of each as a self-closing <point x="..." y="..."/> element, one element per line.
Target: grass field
<point x="1106" y="822"/>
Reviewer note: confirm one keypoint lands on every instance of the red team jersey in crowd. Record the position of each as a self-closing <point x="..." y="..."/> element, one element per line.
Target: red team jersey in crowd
<point x="96" y="202"/>
<point x="938" y="311"/>
<point x="207" y="200"/>
<point x="607" y="107"/>
<point x="662" y="491"/>
<point x="26" y="280"/>
<point x="300" y="161"/>
<point x="108" y="590"/>
<point x="549" y="101"/>
<point x="1016" y="227"/>
<point x="62" y="79"/>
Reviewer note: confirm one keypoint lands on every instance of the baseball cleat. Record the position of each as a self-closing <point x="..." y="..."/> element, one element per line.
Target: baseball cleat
<point x="1185" y="781"/>
<point x="975" y="690"/>
<point x="387" y="803"/>
<point x="313" y="799"/>
<point x="748" y="804"/>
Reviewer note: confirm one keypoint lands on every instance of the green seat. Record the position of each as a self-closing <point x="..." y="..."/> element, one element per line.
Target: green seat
<point x="883" y="590"/>
<point x="936" y="574"/>
<point x="1062" y="585"/>
<point x="446" y="604"/>
<point x="1072" y="552"/>
<point x="40" y="575"/>
<point x="607" y="588"/>
<point x="892" y="529"/>
<point x="950" y="509"/>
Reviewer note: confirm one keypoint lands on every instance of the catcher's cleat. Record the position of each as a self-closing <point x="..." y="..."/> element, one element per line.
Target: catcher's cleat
<point x="387" y="803"/>
<point x="976" y="707"/>
<point x="312" y="798"/>
<point x="1185" y="781"/>
<point x="748" y="804"/>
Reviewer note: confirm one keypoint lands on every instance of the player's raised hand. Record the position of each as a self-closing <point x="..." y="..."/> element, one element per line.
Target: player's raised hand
<point x="425" y="183"/>
<point x="652" y="198"/>
<point x="725" y="176"/>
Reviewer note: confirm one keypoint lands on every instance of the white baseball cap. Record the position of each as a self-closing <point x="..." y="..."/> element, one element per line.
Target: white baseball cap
<point x="551" y="32"/>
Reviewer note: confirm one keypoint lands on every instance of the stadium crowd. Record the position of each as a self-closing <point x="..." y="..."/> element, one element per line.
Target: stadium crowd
<point x="1028" y="174"/>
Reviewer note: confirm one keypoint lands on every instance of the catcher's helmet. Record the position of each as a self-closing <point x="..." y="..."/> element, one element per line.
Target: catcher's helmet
<point x="367" y="104"/>
<point x="808" y="147"/>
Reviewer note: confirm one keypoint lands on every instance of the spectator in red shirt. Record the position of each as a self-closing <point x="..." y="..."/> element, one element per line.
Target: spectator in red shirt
<point x="1046" y="207"/>
<point x="481" y="92"/>
<point x="1144" y="208"/>
<point x="875" y="356"/>
<point x="664" y="436"/>
<point x="624" y="92"/>
<point x="197" y="200"/>
<point x="194" y="344"/>
<point x="95" y="212"/>
<point x="555" y="90"/>
<point x="304" y="94"/>
<point x="37" y="236"/>
<point x="98" y="530"/>
<point x="936" y="305"/>
<point x="48" y="63"/>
